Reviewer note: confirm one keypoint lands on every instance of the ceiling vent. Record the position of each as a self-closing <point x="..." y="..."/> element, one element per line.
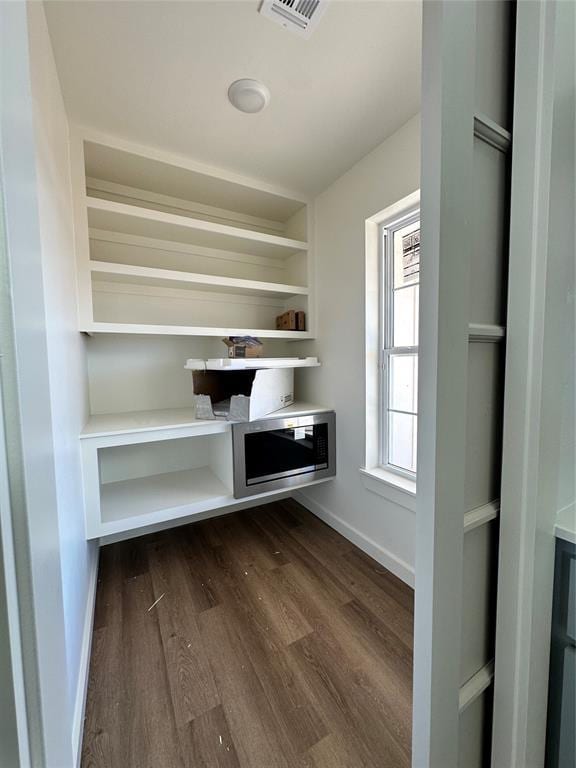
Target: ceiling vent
<point x="300" y="16"/>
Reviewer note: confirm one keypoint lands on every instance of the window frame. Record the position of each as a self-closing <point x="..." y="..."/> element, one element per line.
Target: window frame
<point x="386" y="230"/>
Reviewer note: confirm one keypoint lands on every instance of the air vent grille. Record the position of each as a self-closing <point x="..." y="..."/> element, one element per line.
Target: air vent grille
<point x="300" y="16"/>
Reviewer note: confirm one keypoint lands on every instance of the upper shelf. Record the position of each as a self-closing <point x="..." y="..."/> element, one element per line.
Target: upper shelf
<point x="135" y="220"/>
<point x="123" y="163"/>
<point x="128" y="273"/>
<point x="139" y="329"/>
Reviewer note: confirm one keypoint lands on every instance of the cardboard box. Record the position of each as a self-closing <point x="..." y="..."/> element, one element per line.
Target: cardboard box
<point x="288" y="321"/>
<point x="293" y="320"/>
<point x="242" y="395"/>
<point x="243" y="346"/>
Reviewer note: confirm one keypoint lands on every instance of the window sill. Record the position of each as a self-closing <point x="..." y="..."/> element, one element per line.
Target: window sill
<point x="399" y="490"/>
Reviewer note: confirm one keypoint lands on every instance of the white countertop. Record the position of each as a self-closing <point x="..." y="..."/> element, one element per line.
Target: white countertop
<point x="298" y="409"/>
<point x="106" y="424"/>
<point x="139" y="421"/>
<point x="565" y="527"/>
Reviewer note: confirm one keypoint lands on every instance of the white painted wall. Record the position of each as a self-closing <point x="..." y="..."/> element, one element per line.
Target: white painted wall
<point x="141" y="373"/>
<point x="388" y="173"/>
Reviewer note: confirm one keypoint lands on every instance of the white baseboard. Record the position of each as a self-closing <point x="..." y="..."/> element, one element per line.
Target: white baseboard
<point x="82" y="687"/>
<point x="390" y="561"/>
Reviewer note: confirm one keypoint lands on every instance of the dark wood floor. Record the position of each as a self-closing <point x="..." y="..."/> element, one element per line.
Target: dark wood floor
<point x="262" y="639"/>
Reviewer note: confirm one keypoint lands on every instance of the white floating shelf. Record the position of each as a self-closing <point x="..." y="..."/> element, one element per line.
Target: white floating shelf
<point x="195" y="493"/>
<point x="187" y="330"/>
<point x="135" y="220"/>
<point x="126" y="273"/>
<point x="165" y="496"/>
<point x="235" y="364"/>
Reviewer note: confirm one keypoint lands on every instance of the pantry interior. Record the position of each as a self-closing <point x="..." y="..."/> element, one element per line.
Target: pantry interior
<point x="176" y="251"/>
<point x="169" y="221"/>
<point x="151" y="215"/>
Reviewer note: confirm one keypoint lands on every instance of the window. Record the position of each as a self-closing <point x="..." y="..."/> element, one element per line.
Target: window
<point x="400" y="271"/>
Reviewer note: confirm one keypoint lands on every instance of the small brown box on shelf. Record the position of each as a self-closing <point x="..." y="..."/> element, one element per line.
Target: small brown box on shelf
<point x="243" y="346"/>
<point x="291" y="320"/>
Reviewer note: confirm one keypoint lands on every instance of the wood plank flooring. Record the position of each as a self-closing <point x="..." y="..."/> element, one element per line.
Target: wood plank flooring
<point x="262" y="639"/>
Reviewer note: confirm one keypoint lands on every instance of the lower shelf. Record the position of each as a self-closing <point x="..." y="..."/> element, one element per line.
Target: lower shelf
<point x="130" y="506"/>
<point x="173" y="494"/>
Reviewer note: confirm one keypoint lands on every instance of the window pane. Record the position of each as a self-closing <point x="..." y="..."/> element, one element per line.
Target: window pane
<point x="406" y="317"/>
<point x="403" y="388"/>
<point x="402" y="440"/>
<point x="407" y="255"/>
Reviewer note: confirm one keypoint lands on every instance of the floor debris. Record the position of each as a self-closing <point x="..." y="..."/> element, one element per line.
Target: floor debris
<point x="156" y="601"/>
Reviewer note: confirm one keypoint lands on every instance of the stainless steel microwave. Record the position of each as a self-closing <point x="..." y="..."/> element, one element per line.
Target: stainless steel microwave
<point x="276" y="453"/>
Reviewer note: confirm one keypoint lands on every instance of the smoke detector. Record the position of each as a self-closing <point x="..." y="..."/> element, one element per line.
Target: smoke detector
<point x="299" y="16"/>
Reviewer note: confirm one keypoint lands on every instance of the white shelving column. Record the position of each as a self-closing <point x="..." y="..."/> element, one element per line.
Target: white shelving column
<point x="168" y="246"/>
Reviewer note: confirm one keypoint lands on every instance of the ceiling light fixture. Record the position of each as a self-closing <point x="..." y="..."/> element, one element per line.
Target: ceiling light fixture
<point x="249" y="95"/>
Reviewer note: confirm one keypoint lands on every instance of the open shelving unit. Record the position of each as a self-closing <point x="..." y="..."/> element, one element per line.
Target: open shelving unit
<point x="169" y="247"/>
<point x="148" y="467"/>
<point x="166" y="246"/>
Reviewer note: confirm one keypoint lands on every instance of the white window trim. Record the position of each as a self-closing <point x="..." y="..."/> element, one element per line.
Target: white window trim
<point x="387" y="347"/>
<point x="393" y="485"/>
<point x="400" y="490"/>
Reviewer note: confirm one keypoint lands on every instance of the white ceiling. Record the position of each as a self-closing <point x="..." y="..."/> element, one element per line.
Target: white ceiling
<point x="158" y="73"/>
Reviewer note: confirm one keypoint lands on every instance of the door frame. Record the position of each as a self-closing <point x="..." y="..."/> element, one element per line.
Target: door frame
<point x="527" y="503"/>
<point x="531" y="414"/>
<point x="28" y="427"/>
<point x="448" y="86"/>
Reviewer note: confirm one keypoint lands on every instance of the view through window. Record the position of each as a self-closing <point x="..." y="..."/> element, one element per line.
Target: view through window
<point x="400" y="291"/>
